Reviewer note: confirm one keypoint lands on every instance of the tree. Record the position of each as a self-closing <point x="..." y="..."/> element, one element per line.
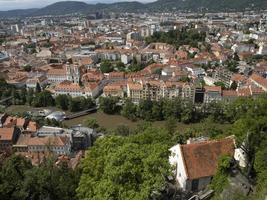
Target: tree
<point x="30" y="97"/>
<point x="145" y="109"/>
<point x="172" y="108"/>
<point x="75" y="104"/>
<point x="91" y="123"/>
<point x="27" y="68"/>
<point x="231" y="65"/>
<point x="234" y="85"/>
<point x="122" y="130"/>
<point x="51" y="182"/>
<point x="170" y="125"/>
<point x="106" y="66"/>
<point x="43" y="99"/>
<point x="12" y="175"/>
<point x="157" y="111"/>
<point x="109" y="105"/>
<point x="188" y="114"/>
<point x="221" y="84"/>
<point x="62" y="101"/>
<point x="38" y="88"/>
<point x="129" y="110"/>
<point x="220" y="181"/>
<point x="125" y="167"/>
<point x="80" y="103"/>
<point x="19" y="180"/>
<point x="120" y="66"/>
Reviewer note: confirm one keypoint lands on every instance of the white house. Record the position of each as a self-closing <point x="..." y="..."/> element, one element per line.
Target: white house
<point x="196" y="163"/>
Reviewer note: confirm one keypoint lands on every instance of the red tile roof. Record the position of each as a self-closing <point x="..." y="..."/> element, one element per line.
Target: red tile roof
<point x="213" y="89"/>
<point x="259" y="80"/>
<point x="6" y="134"/>
<point x="201" y="159"/>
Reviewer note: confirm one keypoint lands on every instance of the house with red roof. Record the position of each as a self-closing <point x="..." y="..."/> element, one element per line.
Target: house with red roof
<point x="8" y="137"/>
<point x="196" y="162"/>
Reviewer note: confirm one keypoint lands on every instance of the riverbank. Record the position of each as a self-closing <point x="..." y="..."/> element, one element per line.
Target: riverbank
<point x="113" y="121"/>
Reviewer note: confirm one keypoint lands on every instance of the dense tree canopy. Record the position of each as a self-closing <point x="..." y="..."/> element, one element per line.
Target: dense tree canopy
<point x="125" y="167"/>
<point x="19" y="180"/>
<point x="109" y="104"/>
<point x="178" y="37"/>
<point x="106" y="66"/>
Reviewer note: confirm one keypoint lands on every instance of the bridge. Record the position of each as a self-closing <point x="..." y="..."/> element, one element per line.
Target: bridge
<point x="82" y="113"/>
<point x="4" y="100"/>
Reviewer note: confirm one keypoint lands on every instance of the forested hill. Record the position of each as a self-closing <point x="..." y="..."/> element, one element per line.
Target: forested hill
<point x="208" y="5"/>
<point x="69" y="7"/>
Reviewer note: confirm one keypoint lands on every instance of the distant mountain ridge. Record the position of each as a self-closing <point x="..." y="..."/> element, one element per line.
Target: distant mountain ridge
<point x="69" y="7"/>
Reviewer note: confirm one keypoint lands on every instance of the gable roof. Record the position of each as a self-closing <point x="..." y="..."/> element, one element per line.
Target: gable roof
<point x="201" y="159"/>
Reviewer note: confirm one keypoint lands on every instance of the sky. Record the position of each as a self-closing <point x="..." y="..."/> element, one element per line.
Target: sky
<point x="23" y="4"/>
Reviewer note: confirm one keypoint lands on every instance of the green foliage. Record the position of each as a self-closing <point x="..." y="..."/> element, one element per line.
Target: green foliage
<point x="38" y="88"/>
<point x="27" y="68"/>
<point x="106" y="66"/>
<point x="231" y="65"/>
<point x="129" y="110"/>
<point x="43" y="99"/>
<point x="62" y="101"/>
<point x="233" y="85"/>
<point x="125" y="167"/>
<point x="122" y="130"/>
<point x="91" y="123"/>
<point x="109" y="105"/>
<point x="170" y="125"/>
<point x="178" y="37"/>
<point x="221" y="84"/>
<point x="161" y="110"/>
<point x="2" y="40"/>
<point x="120" y="66"/>
<point x="77" y="104"/>
<point x="19" y="180"/>
<point x="220" y="181"/>
<point x="135" y="67"/>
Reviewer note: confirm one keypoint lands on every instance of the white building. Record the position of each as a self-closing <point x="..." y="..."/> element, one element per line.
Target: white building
<point x="68" y="72"/>
<point x="126" y="58"/>
<point x="75" y="90"/>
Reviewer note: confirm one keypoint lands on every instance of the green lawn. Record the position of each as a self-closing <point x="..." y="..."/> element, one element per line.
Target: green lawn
<point x="112" y="121"/>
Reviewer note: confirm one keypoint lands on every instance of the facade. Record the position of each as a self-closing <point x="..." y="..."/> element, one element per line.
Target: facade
<point x="69" y="88"/>
<point x="156" y="90"/>
<point x="59" y="145"/>
<point x="212" y="94"/>
<point x="113" y="90"/>
<point x="68" y="72"/>
<point x="75" y="90"/>
<point x="223" y="75"/>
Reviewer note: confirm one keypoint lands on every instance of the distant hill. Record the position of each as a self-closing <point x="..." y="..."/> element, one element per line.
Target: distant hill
<point x="69" y="7"/>
<point x="62" y="8"/>
<point x="211" y="5"/>
<point x="18" y="13"/>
